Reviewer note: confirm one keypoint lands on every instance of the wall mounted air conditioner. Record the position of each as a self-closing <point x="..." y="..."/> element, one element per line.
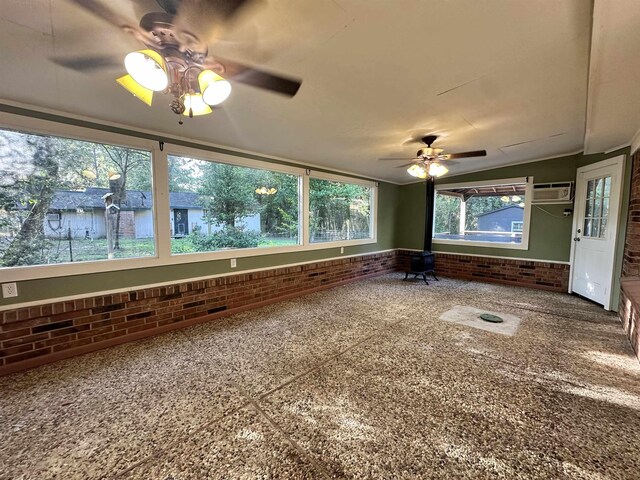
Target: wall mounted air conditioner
<point x="559" y="192"/>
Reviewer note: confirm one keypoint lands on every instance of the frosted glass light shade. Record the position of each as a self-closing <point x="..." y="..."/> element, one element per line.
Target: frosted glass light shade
<point x="214" y="88"/>
<point x="417" y="171"/>
<point x="437" y="170"/>
<point x="194" y="103"/>
<point x="147" y="67"/>
<point x="143" y="94"/>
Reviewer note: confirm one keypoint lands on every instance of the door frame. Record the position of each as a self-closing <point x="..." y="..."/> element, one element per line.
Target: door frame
<point x="618" y="162"/>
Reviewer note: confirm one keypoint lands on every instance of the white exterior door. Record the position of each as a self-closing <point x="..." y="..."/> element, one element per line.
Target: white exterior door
<point x="597" y="209"/>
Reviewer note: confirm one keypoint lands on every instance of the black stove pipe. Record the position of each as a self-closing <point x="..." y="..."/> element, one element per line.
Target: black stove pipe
<point x="428" y="219"/>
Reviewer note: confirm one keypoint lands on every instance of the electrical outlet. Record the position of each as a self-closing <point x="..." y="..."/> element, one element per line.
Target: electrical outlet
<point x="233" y="263"/>
<point x="341" y="250"/>
<point x="9" y="290"/>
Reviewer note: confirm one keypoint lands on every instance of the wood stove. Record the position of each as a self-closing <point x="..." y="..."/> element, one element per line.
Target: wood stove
<point x="421" y="264"/>
<point x="424" y="262"/>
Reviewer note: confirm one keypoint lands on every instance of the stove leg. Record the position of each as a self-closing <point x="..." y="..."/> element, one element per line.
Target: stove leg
<point x="424" y="277"/>
<point x="406" y="275"/>
<point x="434" y="276"/>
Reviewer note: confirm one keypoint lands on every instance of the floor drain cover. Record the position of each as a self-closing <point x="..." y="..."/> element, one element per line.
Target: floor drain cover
<point x="488" y="317"/>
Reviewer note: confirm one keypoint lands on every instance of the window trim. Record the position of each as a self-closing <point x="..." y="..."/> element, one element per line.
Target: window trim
<point x="161" y="210"/>
<point x="483" y="183"/>
<point x="373" y="220"/>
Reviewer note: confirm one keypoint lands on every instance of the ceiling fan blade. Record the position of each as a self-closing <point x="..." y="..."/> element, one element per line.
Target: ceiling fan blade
<point x="88" y="63"/>
<point x="397" y="158"/>
<point x="103" y="12"/>
<point x="259" y="78"/>
<point x="476" y="153"/>
<point x="218" y="9"/>
<point x="407" y="164"/>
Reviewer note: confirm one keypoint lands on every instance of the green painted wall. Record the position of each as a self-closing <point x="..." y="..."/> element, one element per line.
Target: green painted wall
<point x="51" y="288"/>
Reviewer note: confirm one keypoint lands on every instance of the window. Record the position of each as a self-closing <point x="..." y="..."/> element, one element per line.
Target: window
<point x="486" y="213"/>
<point x="69" y="204"/>
<point x="65" y="200"/>
<point x="217" y="206"/>
<point x="339" y="211"/>
<point x="597" y="207"/>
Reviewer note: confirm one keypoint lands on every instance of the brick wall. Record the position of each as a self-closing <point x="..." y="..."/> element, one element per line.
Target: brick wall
<point x="631" y="261"/>
<point x="629" y="310"/>
<point x="526" y="273"/>
<point x="32" y="336"/>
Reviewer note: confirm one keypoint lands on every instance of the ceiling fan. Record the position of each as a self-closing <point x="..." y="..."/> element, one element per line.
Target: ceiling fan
<point x="429" y="161"/>
<point x="175" y="61"/>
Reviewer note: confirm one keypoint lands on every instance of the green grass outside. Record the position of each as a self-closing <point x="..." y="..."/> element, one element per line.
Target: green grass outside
<point x="84" y="250"/>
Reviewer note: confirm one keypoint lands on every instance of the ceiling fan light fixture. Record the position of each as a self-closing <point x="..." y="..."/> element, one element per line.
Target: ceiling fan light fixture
<point x="194" y="105"/>
<point x="143" y="94"/>
<point x="417" y="171"/>
<point x="437" y="170"/>
<point x="148" y="68"/>
<point x="214" y="88"/>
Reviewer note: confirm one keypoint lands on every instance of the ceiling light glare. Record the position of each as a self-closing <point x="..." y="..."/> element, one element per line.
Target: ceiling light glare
<point x="214" y="88"/>
<point x="504" y="198"/>
<point x="515" y="199"/>
<point x="417" y="171"/>
<point x="147" y="67"/>
<point x="521" y="204"/>
<point x="194" y="105"/>
<point x="437" y="170"/>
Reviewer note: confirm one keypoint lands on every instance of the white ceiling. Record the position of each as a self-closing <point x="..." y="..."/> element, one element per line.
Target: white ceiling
<point x="508" y="77"/>
<point x="614" y="76"/>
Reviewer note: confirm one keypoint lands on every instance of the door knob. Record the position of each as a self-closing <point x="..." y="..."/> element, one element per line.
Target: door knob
<point x="576" y="239"/>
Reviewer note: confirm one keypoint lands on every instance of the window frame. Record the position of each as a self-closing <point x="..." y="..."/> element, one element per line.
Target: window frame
<point x="161" y="210"/>
<point x="373" y="220"/>
<point x="524" y="245"/>
<point x="197" y="154"/>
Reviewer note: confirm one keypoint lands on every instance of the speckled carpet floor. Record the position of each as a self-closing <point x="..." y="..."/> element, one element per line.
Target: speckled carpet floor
<point x="361" y="381"/>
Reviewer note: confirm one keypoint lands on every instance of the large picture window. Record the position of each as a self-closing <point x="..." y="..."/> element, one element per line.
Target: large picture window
<point x="65" y="200"/>
<point x="339" y="211"/>
<point x="489" y="214"/>
<point x="217" y="206"/>
<point x="75" y="200"/>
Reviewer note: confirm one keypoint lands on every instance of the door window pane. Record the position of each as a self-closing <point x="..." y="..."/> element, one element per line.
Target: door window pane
<point x="597" y="207"/>
<point x="65" y="200"/>
<point x="597" y="210"/>
<point x="603" y="228"/>
<point x="599" y="187"/>
<point x="589" y="208"/>
<point x="607" y="186"/>
<point x="217" y="206"/>
<point x="338" y="211"/>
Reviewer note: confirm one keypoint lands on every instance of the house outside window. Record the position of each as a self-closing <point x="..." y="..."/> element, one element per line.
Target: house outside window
<point x="65" y="201"/>
<point x="219" y="206"/>
<point x="492" y="214"/>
